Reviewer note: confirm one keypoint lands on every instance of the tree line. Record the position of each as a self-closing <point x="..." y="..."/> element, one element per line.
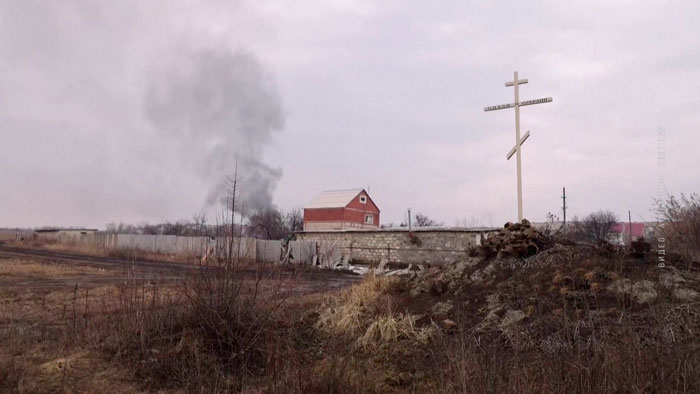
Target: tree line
<point x="268" y="223"/>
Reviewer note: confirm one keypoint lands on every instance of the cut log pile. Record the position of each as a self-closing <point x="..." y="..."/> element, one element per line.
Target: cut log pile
<point x="515" y="240"/>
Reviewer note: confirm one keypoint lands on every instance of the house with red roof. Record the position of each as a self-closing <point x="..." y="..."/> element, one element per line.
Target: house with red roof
<point x="341" y="210"/>
<point x="621" y="232"/>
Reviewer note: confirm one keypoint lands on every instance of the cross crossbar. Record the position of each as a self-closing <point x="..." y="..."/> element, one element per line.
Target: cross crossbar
<point x="520" y="104"/>
<point x="515" y="148"/>
<point x="535" y="101"/>
<point x="497" y="107"/>
<point x="520" y="82"/>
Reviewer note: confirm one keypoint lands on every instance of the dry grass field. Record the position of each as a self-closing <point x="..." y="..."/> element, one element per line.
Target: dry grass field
<point x="70" y="326"/>
<point x="569" y="319"/>
<point x="91" y="250"/>
<point x="12" y="269"/>
<point x="42" y="351"/>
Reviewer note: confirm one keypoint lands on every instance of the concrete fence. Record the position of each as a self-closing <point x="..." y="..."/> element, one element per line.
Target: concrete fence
<point x="194" y="247"/>
<point x="15" y="235"/>
<point x="423" y="245"/>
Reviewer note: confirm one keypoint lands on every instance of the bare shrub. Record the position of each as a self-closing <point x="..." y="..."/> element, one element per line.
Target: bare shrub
<point x="680" y="226"/>
<point x="210" y="333"/>
<point x="596" y="227"/>
<point x="12" y="372"/>
<point x="425" y="221"/>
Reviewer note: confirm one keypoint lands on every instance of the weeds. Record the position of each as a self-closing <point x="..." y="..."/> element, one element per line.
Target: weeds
<point x="210" y="334"/>
<point x="349" y="314"/>
<point x="564" y="321"/>
<point x="391" y="328"/>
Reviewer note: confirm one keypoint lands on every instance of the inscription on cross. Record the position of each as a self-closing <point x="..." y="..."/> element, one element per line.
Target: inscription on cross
<point x="518" y="141"/>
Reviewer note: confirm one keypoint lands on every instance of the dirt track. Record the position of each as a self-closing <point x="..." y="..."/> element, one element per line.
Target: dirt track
<point x="145" y="270"/>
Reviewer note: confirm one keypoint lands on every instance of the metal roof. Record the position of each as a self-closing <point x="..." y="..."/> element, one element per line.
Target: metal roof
<point x="334" y="198"/>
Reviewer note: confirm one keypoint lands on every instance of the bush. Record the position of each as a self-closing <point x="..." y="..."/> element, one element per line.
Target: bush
<point x="680" y="225"/>
<point x="595" y="227"/>
<point x="211" y="334"/>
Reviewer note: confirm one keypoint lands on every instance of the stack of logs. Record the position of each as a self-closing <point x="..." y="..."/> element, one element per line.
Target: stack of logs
<point x="515" y="239"/>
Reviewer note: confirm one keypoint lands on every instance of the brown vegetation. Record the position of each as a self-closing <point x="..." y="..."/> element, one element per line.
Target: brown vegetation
<point x="42" y="351"/>
<point x="92" y="250"/>
<point x="680" y="227"/>
<point x="567" y="319"/>
<point x="595" y="227"/>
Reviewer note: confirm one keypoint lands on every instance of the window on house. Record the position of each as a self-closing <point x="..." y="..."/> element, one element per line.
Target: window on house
<point x="363" y="199"/>
<point x="369" y="219"/>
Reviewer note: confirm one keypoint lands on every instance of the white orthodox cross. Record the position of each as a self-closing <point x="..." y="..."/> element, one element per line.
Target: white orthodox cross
<point x="518" y="141"/>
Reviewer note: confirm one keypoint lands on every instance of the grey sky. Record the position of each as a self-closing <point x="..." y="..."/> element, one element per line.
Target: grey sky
<point x="387" y="95"/>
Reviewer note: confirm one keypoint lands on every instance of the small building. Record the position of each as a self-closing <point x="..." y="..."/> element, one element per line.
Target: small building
<point x="623" y="233"/>
<point x="63" y="234"/>
<point x="341" y="210"/>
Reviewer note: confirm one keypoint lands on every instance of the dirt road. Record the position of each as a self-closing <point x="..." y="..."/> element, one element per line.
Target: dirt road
<point x="144" y="270"/>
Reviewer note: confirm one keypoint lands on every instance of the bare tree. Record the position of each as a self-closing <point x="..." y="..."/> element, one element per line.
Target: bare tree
<point x="597" y="226"/>
<point x="232" y="184"/>
<point x="294" y="220"/>
<point x="199" y="224"/>
<point x="424" y="221"/>
<point x="273" y="224"/>
<point x="181" y="227"/>
<point x="267" y="224"/>
<point x="552" y="225"/>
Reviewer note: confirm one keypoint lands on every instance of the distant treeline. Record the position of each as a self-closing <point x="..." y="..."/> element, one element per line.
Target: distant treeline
<point x="264" y="224"/>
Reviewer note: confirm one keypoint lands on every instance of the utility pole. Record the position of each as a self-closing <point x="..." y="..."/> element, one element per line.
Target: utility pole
<point x="409" y="220"/>
<point x="629" y="217"/>
<point x="563" y="206"/>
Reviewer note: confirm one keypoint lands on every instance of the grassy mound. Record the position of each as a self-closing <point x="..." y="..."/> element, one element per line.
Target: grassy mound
<point x="568" y="319"/>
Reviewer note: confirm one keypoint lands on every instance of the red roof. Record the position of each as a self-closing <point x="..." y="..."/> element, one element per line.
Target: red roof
<point x="624" y="228"/>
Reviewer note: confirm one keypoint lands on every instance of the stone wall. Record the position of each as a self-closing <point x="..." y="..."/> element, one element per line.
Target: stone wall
<point x="431" y="246"/>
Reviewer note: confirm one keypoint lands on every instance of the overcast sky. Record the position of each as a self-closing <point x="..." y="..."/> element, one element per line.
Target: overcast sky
<point x="135" y="111"/>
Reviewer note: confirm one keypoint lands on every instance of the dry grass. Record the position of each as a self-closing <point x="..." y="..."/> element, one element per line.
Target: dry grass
<point x="622" y="361"/>
<point x="391" y="328"/>
<point x="225" y="333"/>
<point x="44" y="323"/>
<point x="39" y="352"/>
<point x="91" y="250"/>
<point x="211" y="333"/>
<point x="349" y="314"/>
<point x="217" y="334"/>
<point x="120" y="253"/>
<point x="16" y="267"/>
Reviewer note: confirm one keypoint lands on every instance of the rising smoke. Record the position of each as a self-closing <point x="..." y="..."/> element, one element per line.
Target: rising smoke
<point x="218" y="112"/>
